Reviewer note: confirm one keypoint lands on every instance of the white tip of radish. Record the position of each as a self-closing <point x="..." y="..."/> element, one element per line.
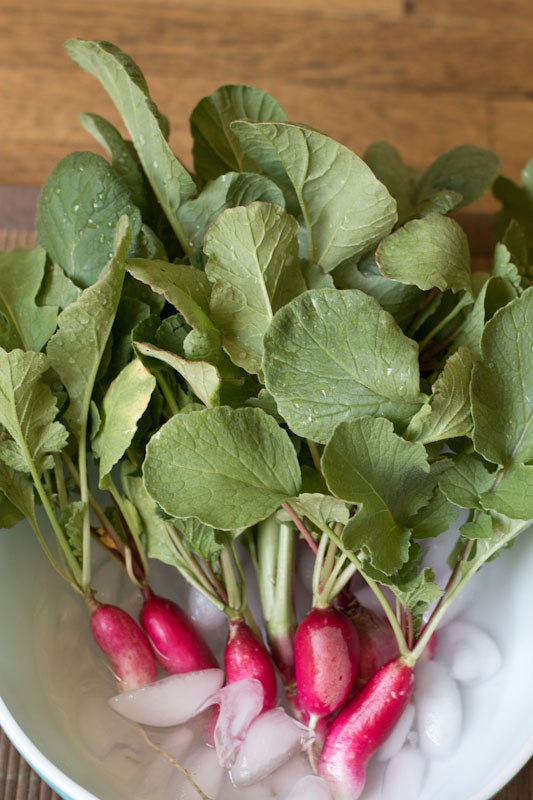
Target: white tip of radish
<point x="272" y="739"/>
<point x="404" y="775"/>
<point x="471" y="654"/>
<point x="439" y="712"/>
<point x="169" y="701"/>
<point x="311" y="787"/>
<point x="398" y="735"/>
<point x="240" y="703"/>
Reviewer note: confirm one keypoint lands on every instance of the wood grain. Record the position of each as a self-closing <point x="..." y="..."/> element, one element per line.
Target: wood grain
<point x="426" y="78"/>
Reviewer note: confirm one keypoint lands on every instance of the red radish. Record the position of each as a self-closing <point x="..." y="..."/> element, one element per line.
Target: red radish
<point x="177" y="645"/>
<point x="362" y="726"/>
<point x="125" y="645"/>
<point x="246" y="657"/>
<point x="376" y="637"/>
<point x="326" y="653"/>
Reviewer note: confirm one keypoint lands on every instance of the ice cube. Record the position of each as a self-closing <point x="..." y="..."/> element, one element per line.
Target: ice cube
<point x="272" y="739"/>
<point x="439" y="713"/>
<point x="398" y="735"/>
<point x="240" y="703"/>
<point x="311" y="787"/>
<point x="169" y="701"/>
<point x="404" y="775"/>
<point x="471" y="654"/>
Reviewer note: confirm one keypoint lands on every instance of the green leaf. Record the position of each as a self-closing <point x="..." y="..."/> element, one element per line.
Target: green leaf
<point x="123" y="159"/>
<point x="346" y="210"/>
<point x="512" y="495"/>
<point x="203" y="378"/>
<point x="430" y="253"/>
<point x="324" y="507"/>
<point x="467" y="169"/>
<point x="156" y="537"/>
<point x="504" y="267"/>
<point x="22" y="322"/>
<point x="9" y="514"/>
<point x="388" y="166"/>
<point x="439" y="203"/>
<point x="184" y="287"/>
<point x="480" y="528"/>
<point x="229" y="468"/>
<point x="447" y="412"/>
<point x="435" y="517"/>
<point x="466" y="482"/>
<point x="366" y="463"/>
<point x="76" y="349"/>
<point x="17" y="489"/>
<point x="514" y="239"/>
<point x="72" y="524"/>
<point x="502" y="381"/>
<point x="495" y="293"/>
<point x="227" y="191"/>
<point x="28" y="408"/>
<point x="79" y="207"/>
<point x="332" y="355"/>
<point x="216" y="149"/>
<point x="200" y="539"/>
<point x="57" y="289"/>
<point x="125" y="84"/>
<point x="253" y="264"/>
<point x="517" y="206"/>
<point x="124" y="403"/>
<point x="419" y="593"/>
<point x="399" y="299"/>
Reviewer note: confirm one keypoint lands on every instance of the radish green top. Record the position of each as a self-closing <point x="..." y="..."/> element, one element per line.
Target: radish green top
<point x="292" y="331"/>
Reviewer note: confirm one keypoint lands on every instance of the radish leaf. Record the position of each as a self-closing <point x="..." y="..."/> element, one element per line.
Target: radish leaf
<point x="466" y="481"/>
<point x="23" y="323"/>
<point x="79" y="207"/>
<point x="502" y="381"/>
<point x="76" y="349"/>
<point x="366" y="463"/>
<point x="124" y="403"/>
<point x="430" y="253"/>
<point x="203" y="378"/>
<point x="467" y="169"/>
<point x="447" y="412"/>
<point x="331" y="356"/>
<point x="512" y="495"/>
<point x="216" y="149"/>
<point x="125" y="84"/>
<point x="28" y="409"/>
<point x="346" y="210"/>
<point x="253" y="264"/>
<point x="229" y="468"/>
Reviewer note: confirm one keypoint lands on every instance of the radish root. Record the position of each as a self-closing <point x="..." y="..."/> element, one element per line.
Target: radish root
<point x="172" y="761"/>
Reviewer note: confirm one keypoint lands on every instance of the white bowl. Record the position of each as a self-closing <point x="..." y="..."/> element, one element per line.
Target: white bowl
<point x="39" y="688"/>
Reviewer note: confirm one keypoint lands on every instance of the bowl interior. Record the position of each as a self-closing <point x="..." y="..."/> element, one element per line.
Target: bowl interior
<point x="43" y="664"/>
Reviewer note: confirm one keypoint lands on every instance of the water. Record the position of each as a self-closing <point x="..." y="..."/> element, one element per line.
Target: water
<point x="81" y="683"/>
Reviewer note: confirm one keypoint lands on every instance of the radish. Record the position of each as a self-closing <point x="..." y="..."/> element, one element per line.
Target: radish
<point x="362" y="726"/>
<point x="126" y="646"/>
<point x="177" y="645"/>
<point x="326" y="652"/>
<point x="376" y="637"/>
<point x="246" y="657"/>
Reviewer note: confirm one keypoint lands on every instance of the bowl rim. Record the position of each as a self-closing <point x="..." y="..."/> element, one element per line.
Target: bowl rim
<point x="64" y="786"/>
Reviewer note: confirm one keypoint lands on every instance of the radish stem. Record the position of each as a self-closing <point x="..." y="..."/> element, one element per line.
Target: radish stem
<point x="62" y="494"/>
<point x="301" y="527"/>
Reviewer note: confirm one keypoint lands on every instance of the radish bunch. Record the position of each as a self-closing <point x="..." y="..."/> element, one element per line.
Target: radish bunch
<point x="286" y="349"/>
